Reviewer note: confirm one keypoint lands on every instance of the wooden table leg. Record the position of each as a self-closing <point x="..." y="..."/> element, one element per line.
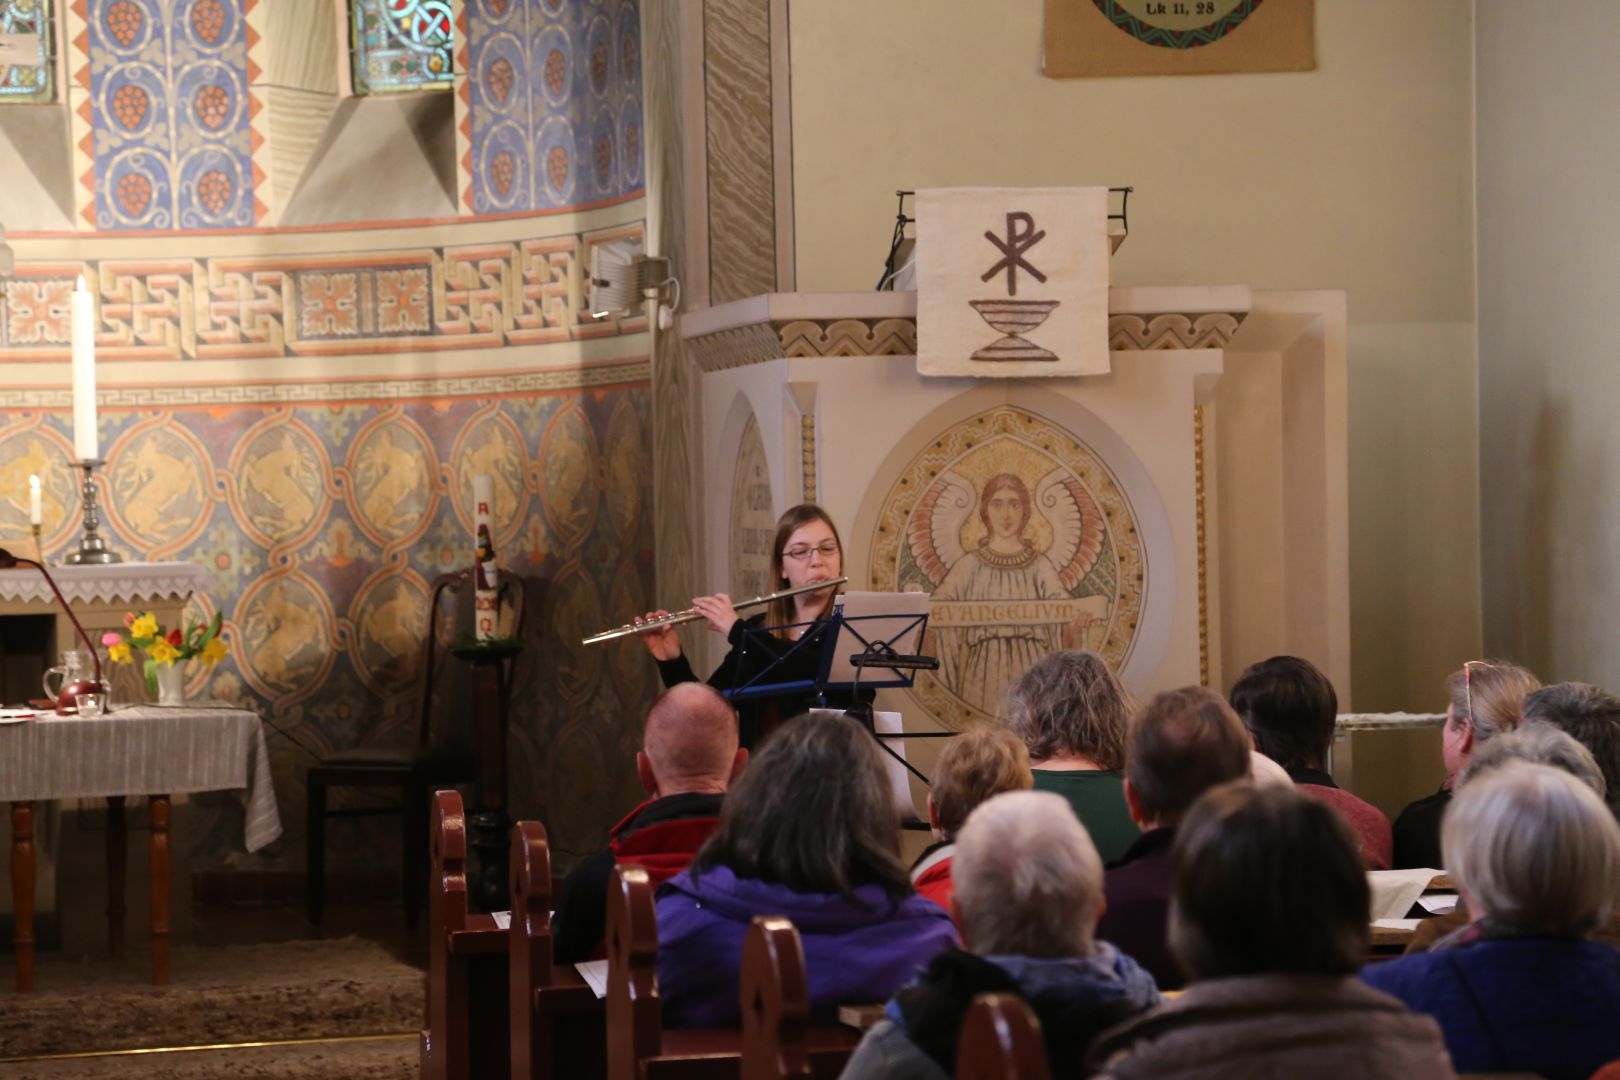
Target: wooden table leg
<point x="117" y="836"/>
<point x="158" y="863"/>
<point x="22" y="891"/>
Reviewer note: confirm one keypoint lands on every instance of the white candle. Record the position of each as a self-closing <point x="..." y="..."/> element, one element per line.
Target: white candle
<point x="85" y="445"/>
<point x="33" y="501"/>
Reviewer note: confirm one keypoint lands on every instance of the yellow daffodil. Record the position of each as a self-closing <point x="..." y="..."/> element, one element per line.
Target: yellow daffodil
<point x="145" y="626"/>
<point x="162" y="652"/>
<point x="119" y="654"/>
<point x="214" y="652"/>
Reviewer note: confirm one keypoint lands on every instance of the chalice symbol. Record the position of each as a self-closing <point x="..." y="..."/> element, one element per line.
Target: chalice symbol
<point x="1014" y="317"/>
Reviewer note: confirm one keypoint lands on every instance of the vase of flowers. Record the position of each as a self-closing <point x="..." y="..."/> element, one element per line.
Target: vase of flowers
<point x="165" y="650"/>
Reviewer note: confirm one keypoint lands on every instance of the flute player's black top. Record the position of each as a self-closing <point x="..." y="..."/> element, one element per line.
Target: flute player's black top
<point x="757" y="716"/>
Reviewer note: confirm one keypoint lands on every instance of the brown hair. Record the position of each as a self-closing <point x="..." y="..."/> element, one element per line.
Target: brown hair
<point x="781" y="612"/>
<point x="1290" y="708"/>
<point x="1264" y="879"/>
<point x="1070" y="702"/>
<point x="975" y="765"/>
<point x="1592" y="717"/>
<point x="996" y="483"/>
<point x="1181" y="744"/>
<point x="812" y="811"/>
<point x="1497" y="687"/>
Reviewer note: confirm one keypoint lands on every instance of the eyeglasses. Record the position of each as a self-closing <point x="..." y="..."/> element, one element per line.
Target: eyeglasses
<point x="801" y="552"/>
<point x="1468" y="683"/>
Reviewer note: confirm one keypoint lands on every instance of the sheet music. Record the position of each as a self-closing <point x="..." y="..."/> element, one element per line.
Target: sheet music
<point x="882" y="616"/>
<point x="888" y="723"/>
<point x="595" y="974"/>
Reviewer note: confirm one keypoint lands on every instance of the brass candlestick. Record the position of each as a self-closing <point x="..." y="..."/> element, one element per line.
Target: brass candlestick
<point x="92" y="548"/>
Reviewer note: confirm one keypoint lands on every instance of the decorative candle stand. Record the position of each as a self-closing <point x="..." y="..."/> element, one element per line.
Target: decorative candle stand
<point x="488" y="825"/>
<point x="92" y="548"/>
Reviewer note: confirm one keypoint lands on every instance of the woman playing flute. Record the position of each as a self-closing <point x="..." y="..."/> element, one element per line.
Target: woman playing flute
<point x="806" y="550"/>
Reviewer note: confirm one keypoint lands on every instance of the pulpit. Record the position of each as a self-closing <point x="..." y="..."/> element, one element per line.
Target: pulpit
<point x="1183" y="514"/>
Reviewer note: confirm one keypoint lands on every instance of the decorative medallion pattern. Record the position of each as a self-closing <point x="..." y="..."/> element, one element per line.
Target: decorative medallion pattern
<point x="320" y="525"/>
<point x="1027" y="543"/>
<point x="170" y="114"/>
<point x="553" y="94"/>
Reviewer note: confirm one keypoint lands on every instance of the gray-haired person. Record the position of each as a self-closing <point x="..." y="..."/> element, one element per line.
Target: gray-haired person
<point x="1591" y="716"/>
<point x="1028" y="892"/>
<point x="1523" y="989"/>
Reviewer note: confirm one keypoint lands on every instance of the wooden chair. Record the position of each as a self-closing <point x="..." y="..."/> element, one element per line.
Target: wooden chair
<point x="777" y="1039"/>
<point x="466" y="1037"/>
<point x="433" y="760"/>
<point x="1001" y="1040"/>
<point x="558" y="1025"/>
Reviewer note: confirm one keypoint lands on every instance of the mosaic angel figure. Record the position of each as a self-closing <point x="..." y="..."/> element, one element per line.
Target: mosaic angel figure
<point x="980" y="654"/>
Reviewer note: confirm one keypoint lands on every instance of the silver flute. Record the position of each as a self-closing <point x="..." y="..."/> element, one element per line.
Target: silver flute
<point x="691" y="614"/>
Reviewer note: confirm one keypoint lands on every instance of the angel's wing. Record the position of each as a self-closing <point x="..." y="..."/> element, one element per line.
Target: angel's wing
<point x="1077" y="525"/>
<point x="934" y="531"/>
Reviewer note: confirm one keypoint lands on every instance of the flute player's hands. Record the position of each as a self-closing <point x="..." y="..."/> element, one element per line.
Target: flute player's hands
<point x="718" y="610"/>
<point x="662" y="641"/>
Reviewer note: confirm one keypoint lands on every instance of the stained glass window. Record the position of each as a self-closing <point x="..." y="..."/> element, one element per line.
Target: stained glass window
<point x="401" y="45"/>
<point x="25" y="51"/>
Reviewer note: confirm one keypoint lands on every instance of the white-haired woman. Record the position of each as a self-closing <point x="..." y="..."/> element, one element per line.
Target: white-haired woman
<point x="1029" y="888"/>
<point x="1536" y="855"/>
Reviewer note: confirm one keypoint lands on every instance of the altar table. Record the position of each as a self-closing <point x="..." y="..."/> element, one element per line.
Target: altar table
<point x="135" y="750"/>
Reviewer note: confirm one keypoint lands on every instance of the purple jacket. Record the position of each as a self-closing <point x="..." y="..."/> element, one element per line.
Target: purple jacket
<point x="851" y="953"/>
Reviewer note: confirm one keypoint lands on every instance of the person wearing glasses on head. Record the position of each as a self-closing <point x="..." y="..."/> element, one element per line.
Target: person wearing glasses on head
<point x="806" y="550"/>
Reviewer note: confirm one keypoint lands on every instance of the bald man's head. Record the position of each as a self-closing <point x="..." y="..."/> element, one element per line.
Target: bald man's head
<point x="689" y="742"/>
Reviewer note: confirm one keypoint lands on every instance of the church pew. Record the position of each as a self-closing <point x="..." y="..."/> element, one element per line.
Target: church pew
<point x="558" y="1026"/>
<point x="467" y="1015"/>
<point x="1001" y="1040"/>
<point x="777" y="1039"/>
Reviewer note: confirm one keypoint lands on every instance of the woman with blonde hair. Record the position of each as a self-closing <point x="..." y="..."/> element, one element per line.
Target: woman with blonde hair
<point x="1071" y="711"/>
<point x="1484" y="698"/>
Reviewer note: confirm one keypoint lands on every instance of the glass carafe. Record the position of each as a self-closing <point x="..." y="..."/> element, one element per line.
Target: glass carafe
<point x="75" y="667"/>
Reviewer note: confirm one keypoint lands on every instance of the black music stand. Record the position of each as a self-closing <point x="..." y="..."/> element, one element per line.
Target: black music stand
<point x="873" y="642"/>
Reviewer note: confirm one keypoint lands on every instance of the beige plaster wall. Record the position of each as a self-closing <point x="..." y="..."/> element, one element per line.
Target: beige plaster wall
<point x="1356" y="176"/>
<point x="1549" y="102"/>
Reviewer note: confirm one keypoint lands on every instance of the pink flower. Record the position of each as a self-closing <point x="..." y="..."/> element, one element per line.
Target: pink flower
<point x="111" y="637"/>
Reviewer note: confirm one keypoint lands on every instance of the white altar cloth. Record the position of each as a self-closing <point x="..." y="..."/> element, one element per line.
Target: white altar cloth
<point x="127" y="582"/>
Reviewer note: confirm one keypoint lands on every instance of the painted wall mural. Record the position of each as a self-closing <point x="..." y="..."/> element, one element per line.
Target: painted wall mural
<point x="525" y="292"/>
<point x="553" y="92"/>
<point x="1027" y="543"/>
<point x="324" y="523"/>
<point x="168" y="83"/>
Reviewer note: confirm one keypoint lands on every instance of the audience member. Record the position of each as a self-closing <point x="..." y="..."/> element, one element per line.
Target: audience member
<point x="1180" y="745"/>
<point x="1522" y="989"/>
<point x="1484" y="699"/>
<point x="1269" y="918"/>
<point x="809" y="831"/>
<point x="1542" y="744"/>
<point x="1592" y="717"/>
<point x="1029" y="889"/>
<point x="689" y="756"/>
<point x="975" y="765"/>
<point x="1291" y="710"/>
<point x="1071" y="712"/>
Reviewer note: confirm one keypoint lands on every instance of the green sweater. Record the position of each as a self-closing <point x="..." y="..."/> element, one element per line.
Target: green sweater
<point x="1098" y="799"/>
